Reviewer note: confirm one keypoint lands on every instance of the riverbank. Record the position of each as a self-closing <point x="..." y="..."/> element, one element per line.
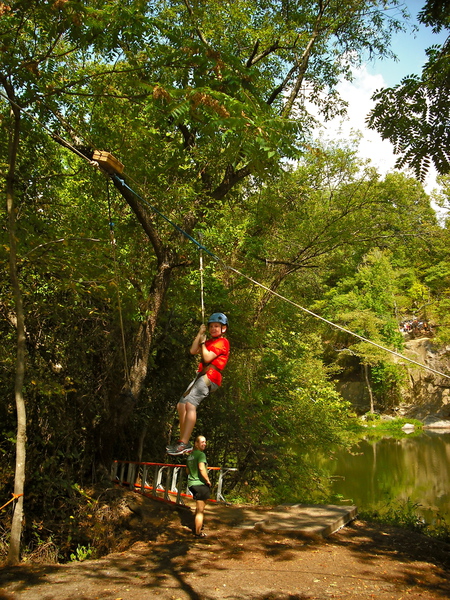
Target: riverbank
<point x="159" y="558"/>
<point x="401" y="476"/>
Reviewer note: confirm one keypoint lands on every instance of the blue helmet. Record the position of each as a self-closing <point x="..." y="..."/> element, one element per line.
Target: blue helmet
<point x="218" y="318"/>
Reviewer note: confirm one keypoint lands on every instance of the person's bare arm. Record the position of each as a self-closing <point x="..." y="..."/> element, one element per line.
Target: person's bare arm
<point x="198" y="340"/>
<point x="204" y="473"/>
<point x="198" y="346"/>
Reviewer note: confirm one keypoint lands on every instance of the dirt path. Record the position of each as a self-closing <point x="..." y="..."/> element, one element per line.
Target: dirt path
<point x="361" y="561"/>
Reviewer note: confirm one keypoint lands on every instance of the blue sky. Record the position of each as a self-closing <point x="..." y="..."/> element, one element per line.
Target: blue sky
<point x="409" y="47"/>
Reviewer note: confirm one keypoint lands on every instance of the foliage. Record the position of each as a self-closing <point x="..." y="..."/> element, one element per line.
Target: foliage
<point x="375" y="426"/>
<point x="400" y="514"/>
<point x="203" y="104"/>
<point x="365" y="304"/>
<point x="292" y="408"/>
<point x="413" y="115"/>
<point x="406" y="514"/>
<point x="388" y="379"/>
<point x="81" y="553"/>
<point x="86" y="523"/>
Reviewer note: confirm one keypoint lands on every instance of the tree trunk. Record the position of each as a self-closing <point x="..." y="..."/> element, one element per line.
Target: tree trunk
<point x="146" y="333"/>
<point x="369" y="387"/>
<point x="161" y="281"/>
<point x="19" y="479"/>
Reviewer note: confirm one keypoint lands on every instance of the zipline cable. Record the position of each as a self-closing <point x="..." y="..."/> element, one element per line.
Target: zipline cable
<point x="201" y="247"/>
<point x="264" y="287"/>
<point x="309" y="312"/>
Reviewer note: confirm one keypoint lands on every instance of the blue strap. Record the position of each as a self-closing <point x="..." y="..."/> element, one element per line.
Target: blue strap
<point x="155" y="210"/>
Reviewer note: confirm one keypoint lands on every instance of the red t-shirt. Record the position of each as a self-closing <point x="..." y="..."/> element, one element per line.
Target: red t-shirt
<point x="221" y="347"/>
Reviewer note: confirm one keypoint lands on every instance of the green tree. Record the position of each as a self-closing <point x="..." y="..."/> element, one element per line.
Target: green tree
<point x="314" y="224"/>
<point x="11" y="209"/>
<point x="211" y="90"/>
<point x="365" y="304"/>
<point x="436" y="277"/>
<point x="35" y="38"/>
<point x="206" y="81"/>
<point x="193" y="100"/>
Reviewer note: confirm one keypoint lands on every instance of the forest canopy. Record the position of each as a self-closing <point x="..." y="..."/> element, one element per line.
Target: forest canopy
<point x="205" y="105"/>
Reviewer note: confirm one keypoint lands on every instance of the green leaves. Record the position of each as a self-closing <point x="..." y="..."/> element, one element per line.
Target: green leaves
<point x="203" y="103"/>
<point x="414" y="114"/>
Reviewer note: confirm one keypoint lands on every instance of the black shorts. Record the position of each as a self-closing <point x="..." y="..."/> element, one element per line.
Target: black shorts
<point x="200" y="492"/>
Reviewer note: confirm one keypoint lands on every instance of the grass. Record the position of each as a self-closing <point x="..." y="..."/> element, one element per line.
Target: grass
<point x="373" y="427"/>
<point x="406" y="514"/>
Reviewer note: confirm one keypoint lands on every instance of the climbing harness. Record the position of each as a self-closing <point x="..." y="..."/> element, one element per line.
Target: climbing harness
<point x="204" y="370"/>
<point x="108" y="163"/>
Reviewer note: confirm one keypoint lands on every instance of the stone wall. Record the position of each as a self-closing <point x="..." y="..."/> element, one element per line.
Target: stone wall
<point x="356" y="393"/>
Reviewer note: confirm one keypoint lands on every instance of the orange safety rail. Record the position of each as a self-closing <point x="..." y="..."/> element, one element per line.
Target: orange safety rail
<point x="136" y="475"/>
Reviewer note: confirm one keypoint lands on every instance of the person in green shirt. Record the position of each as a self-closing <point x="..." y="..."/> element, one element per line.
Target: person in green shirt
<point x="198" y="482"/>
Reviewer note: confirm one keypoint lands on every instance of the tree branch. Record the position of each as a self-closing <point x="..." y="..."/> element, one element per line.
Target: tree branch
<point x="197" y="29"/>
<point x="230" y="179"/>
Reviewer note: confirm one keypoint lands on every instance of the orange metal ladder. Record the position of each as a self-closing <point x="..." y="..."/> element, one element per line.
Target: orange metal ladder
<point x="161" y="481"/>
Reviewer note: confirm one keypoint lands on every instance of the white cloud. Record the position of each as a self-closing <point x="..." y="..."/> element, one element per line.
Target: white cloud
<point x="358" y="95"/>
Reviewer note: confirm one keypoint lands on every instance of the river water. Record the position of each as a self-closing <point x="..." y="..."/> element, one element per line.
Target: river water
<point x="389" y="470"/>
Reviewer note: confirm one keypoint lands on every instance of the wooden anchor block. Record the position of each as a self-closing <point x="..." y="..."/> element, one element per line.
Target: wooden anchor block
<point x="107" y="162"/>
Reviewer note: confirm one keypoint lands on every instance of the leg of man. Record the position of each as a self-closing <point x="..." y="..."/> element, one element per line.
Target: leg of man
<point x="188" y="418"/>
<point x="199" y="513"/>
<point x="181" y="408"/>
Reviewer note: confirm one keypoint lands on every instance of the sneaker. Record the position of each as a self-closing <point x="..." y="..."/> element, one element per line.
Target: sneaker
<point x="180" y="448"/>
<point x="172" y="446"/>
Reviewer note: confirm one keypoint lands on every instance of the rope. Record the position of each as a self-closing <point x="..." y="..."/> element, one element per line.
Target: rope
<point x="202" y="302"/>
<point x="14" y="497"/>
<point x="117" y="278"/>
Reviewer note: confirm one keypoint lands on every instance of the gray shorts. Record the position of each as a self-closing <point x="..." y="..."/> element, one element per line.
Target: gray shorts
<point x="198" y="392"/>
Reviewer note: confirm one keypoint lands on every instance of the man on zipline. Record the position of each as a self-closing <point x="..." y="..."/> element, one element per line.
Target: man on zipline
<point x="214" y="356"/>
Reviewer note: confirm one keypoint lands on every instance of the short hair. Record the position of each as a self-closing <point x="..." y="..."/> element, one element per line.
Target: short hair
<point x="197" y="439"/>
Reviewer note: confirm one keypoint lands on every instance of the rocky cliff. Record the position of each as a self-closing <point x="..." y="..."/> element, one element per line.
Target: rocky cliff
<point x="424" y="396"/>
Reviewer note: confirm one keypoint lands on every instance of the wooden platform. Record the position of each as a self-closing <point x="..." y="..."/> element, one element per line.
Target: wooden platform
<point x="301" y="519"/>
<point x="108" y="162"/>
